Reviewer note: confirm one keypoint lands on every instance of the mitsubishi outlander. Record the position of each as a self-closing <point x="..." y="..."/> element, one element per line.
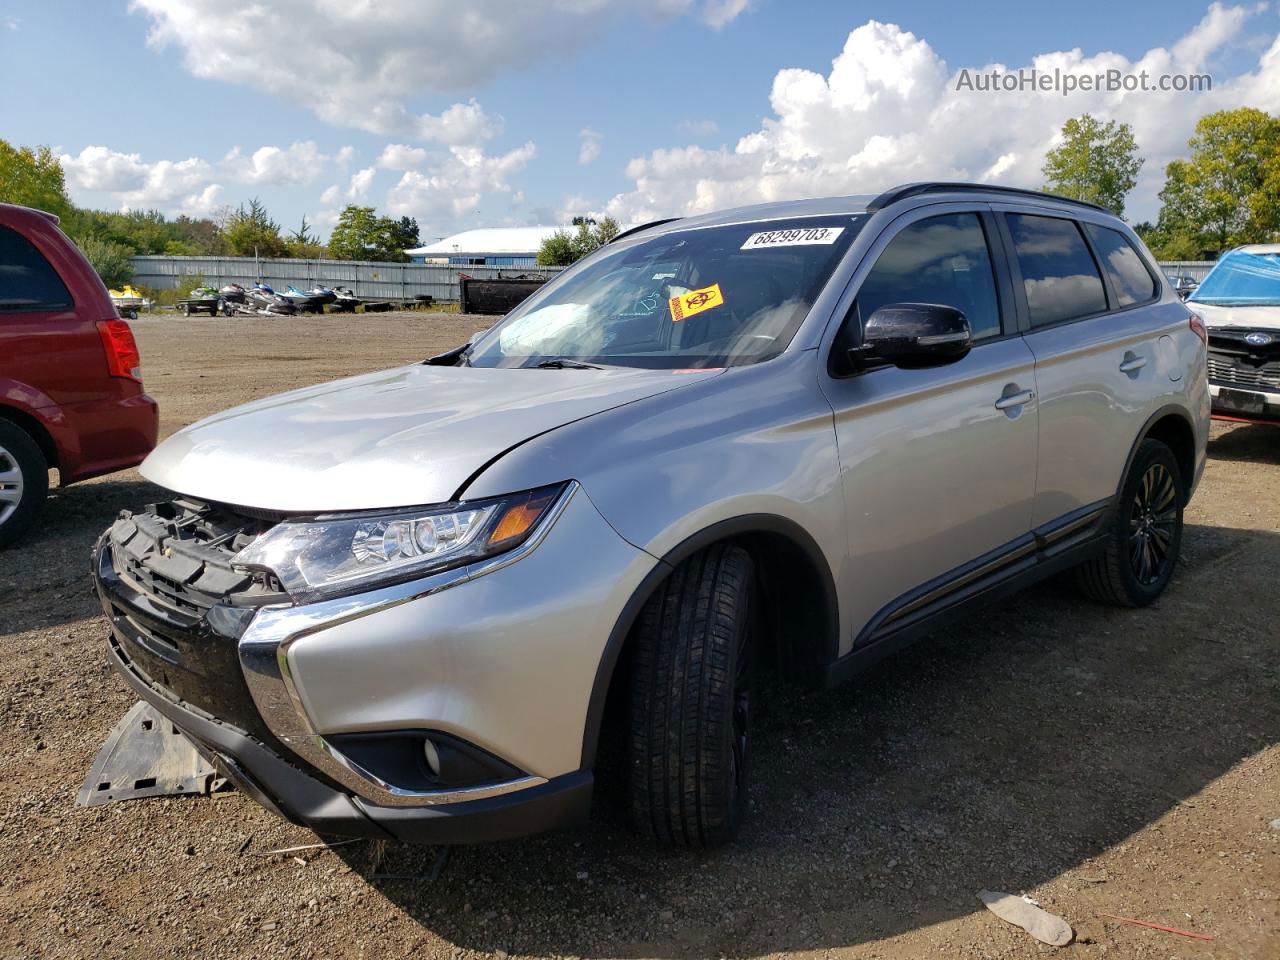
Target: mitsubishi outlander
<point x="802" y="434"/>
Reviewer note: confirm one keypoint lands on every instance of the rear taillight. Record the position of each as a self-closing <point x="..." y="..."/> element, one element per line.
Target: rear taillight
<point x="1197" y="327"/>
<point x="121" y="349"/>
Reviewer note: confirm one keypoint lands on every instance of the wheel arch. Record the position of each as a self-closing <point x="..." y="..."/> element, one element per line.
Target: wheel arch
<point x="1172" y="426"/>
<point x="789" y="564"/>
<point x="35" y="430"/>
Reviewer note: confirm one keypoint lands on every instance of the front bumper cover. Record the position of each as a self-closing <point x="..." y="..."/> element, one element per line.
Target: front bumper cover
<point x="223" y="678"/>
<point x="304" y="799"/>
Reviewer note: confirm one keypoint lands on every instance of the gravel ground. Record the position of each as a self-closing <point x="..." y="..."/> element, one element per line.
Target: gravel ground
<point x="1101" y="761"/>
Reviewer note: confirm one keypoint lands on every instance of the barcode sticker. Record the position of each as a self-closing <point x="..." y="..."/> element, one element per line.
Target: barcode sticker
<point x="804" y="236"/>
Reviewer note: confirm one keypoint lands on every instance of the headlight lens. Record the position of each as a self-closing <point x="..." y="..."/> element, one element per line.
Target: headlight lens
<point x="339" y="554"/>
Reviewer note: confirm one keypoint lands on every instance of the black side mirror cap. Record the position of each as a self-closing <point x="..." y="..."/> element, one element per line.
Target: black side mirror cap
<point x="915" y="335"/>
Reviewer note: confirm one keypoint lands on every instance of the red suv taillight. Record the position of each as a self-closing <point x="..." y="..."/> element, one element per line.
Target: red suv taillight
<point x="123" y="359"/>
<point x="1197" y="327"/>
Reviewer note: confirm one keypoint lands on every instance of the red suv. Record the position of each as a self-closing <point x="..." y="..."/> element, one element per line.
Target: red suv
<point x="71" y="392"/>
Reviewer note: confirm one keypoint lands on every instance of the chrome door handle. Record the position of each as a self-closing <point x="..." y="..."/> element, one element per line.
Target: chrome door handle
<point x="1015" y="400"/>
<point x="1132" y="362"/>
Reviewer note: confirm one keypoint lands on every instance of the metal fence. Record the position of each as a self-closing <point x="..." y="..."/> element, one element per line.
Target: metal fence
<point x="369" y="280"/>
<point x="1197" y="270"/>
<point x="382" y="281"/>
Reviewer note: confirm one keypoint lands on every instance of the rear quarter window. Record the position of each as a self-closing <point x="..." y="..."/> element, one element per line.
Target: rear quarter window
<point x="1059" y="275"/>
<point x="27" y="280"/>
<point x="1129" y="276"/>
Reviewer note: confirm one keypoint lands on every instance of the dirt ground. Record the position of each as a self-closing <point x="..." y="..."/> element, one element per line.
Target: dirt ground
<point x="1101" y="761"/>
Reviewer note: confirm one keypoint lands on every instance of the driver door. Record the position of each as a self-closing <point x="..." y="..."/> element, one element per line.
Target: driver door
<point x="938" y="467"/>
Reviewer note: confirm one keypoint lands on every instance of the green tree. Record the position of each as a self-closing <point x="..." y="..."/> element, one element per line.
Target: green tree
<point x="251" y="232"/>
<point x="1096" y="162"/>
<point x="363" y="235"/>
<point x="303" y="244"/>
<point x="563" y="248"/>
<point x="33" y="178"/>
<point x="557" y="250"/>
<point x="1227" y="192"/>
<point x="109" y="259"/>
<point x="405" y="234"/>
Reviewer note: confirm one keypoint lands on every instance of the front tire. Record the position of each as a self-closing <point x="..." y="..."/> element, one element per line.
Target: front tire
<point x="24" y="482"/>
<point x="690" y="699"/>
<point x="1146" y="536"/>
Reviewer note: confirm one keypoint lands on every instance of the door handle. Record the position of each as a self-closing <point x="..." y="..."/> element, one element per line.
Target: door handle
<point x="1015" y="399"/>
<point x="1132" y="363"/>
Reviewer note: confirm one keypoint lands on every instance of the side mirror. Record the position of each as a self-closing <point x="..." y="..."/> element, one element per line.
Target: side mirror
<point x="916" y="335"/>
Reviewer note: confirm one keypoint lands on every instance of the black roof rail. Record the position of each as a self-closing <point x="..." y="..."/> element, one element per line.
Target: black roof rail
<point x="916" y="189"/>
<point x="644" y="226"/>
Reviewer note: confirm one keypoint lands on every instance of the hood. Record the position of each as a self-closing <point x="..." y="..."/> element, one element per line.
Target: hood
<point x="397" y="438"/>
<point x="1252" y="318"/>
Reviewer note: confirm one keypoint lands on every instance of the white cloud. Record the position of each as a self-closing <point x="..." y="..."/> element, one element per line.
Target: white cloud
<point x="588" y="145"/>
<point x="360" y="182"/>
<point x="720" y="13"/>
<point x="180" y="186"/>
<point x="453" y="187"/>
<point x="344" y="157"/>
<point x="192" y="185"/>
<point x="300" y="162"/>
<point x="401" y="156"/>
<point x="357" y="64"/>
<point x="10" y="23"/>
<point x="889" y="112"/>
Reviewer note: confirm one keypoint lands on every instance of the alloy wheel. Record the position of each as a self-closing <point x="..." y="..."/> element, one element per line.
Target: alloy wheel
<point x="10" y="484"/>
<point x="1153" y="521"/>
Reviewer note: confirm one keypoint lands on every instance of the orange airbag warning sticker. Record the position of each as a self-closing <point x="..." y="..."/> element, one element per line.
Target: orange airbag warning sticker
<point x="695" y="301"/>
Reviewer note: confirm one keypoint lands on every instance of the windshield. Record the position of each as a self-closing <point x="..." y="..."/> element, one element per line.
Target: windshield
<point x="1242" y="279"/>
<point x="693" y="299"/>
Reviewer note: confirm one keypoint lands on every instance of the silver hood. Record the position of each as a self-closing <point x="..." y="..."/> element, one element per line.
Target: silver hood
<point x="1252" y="318"/>
<point x="396" y="438"/>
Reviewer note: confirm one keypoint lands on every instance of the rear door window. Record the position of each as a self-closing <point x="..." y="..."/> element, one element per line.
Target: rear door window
<point x="1129" y="277"/>
<point x="1059" y="275"/>
<point x="27" y="280"/>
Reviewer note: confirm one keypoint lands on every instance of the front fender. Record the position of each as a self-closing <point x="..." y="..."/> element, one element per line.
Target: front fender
<point x="755" y="441"/>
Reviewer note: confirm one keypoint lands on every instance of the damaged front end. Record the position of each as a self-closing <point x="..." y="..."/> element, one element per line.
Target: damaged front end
<point x="204" y="643"/>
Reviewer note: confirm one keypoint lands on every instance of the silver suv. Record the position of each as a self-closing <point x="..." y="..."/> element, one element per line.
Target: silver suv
<point x="799" y="435"/>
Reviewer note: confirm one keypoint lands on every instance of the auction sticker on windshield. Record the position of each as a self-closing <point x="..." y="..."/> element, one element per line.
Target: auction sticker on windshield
<point x="803" y="236"/>
<point x="695" y="301"/>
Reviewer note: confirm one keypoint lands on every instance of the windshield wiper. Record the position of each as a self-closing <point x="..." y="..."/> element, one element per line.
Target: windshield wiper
<point x="561" y="363"/>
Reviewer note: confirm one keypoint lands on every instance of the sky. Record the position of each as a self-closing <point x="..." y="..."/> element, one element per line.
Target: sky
<point x="491" y="112"/>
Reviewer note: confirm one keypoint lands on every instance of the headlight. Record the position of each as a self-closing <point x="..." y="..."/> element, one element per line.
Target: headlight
<point x="337" y="554"/>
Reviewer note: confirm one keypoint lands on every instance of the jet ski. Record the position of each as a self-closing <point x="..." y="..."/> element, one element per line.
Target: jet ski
<point x="302" y="302"/>
<point x="200" y="299"/>
<point x="266" y="301"/>
<point x="233" y="293"/>
<point x="322" y="295"/>
<point x="127" y="300"/>
<point x="345" y="299"/>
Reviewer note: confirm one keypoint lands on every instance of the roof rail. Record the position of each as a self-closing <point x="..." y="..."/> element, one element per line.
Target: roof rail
<point x="938" y="186"/>
<point x="644" y="226"/>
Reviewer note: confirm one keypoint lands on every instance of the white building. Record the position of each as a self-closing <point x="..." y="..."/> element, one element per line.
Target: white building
<point x="495" y="247"/>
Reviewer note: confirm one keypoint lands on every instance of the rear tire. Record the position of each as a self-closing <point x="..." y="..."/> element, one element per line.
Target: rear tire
<point x="690" y="699"/>
<point x="1146" y="534"/>
<point x="24" y="482"/>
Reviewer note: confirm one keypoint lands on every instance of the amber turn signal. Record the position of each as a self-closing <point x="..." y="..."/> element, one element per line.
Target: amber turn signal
<point x="520" y="518"/>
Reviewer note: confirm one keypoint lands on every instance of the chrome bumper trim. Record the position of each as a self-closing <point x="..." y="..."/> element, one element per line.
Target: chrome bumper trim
<point x="264" y="657"/>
